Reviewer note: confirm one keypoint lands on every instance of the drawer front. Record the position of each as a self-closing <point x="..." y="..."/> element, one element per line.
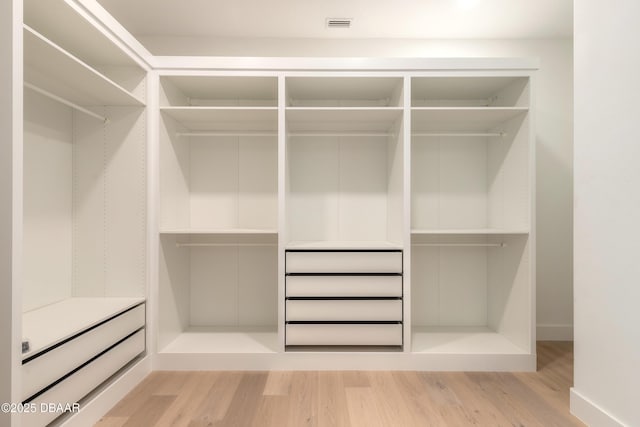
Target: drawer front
<point x="344" y="310"/>
<point x="86" y="379"/>
<point x="52" y="365"/>
<point x="344" y="334"/>
<point x="344" y="286"/>
<point x="344" y="262"/>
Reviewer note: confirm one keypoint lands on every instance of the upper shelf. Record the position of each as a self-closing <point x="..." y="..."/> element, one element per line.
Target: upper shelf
<point x="221" y="91"/>
<point x="344" y="91"/>
<point x="225" y="118"/>
<point x="469" y="91"/>
<point x="342" y="119"/>
<point x="462" y="119"/>
<point x="58" y="20"/>
<point x="57" y="71"/>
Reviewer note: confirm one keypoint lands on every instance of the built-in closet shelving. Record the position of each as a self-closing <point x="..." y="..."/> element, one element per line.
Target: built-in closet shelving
<point x="85" y="173"/>
<point x="218" y="214"/>
<point x="471" y="279"/>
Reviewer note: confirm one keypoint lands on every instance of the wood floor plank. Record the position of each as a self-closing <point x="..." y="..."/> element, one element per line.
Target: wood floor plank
<point x="355" y="379"/>
<point x="112" y="421"/>
<point x="278" y="383"/>
<point x="363" y="407"/>
<point x="216" y="403"/>
<point x="132" y="401"/>
<point x="150" y="411"/>
<point x="270" y="411"/>
<point x="245" y="400"/>
<point x="303" y="403"/>
<point x="332" y="400"/>
<point x="195" y="390"/>
<point x="413" y="392"/>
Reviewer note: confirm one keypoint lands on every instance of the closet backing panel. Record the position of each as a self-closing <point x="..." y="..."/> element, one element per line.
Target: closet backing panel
<point x="338" y="188"/>
<point x="174" y="290"/>
<point x="109" y="209"/>
<point x="233" y="286"/>
<point x="47" y="245"/>
<point x="174" y="179"/>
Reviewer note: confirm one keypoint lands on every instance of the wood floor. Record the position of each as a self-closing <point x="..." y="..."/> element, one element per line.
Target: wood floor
<point x="353" y="398"/>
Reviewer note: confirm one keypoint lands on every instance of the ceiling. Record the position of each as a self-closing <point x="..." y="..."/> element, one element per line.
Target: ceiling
<point x="440" y="19"/>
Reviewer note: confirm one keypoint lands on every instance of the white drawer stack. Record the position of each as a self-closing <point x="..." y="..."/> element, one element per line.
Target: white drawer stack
<point x="343" y="298"/>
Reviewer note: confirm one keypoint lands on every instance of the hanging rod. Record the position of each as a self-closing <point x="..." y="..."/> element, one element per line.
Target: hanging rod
<point x="501" y="134"/>
<point x="228" y="133"/>
<point x="489" y="245"/>
<point x="66" y="102"/>
<point x="204" y="245"/>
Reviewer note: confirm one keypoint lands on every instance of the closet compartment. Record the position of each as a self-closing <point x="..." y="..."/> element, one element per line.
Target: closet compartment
<point x="218" y="161"/>
<point x="218" y="293"/>
<point x="470" y="91"/>
<point x="470" y="168"/>
<point x="471" y="294"/>
<point x="344" y="171"/>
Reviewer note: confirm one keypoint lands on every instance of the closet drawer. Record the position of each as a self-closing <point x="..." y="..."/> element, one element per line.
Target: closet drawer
<point x="86" y="379"/>
<point x="344" y="310"/>
<point x="344" y="286"/>
<point x="344" y="262"/>
<point x="45" y="369"/>
<point x="344" y="334"/>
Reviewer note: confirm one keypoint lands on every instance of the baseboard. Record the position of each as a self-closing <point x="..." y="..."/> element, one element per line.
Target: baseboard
<point x="554" y="333"/>
<point x="97" y="406"/>
<point x="589" y="413"/>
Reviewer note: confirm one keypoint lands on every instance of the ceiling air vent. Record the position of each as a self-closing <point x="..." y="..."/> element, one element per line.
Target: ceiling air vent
<point x="339" y="22"/>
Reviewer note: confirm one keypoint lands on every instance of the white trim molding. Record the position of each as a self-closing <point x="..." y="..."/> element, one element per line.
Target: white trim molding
<point x="590" y="413"/>
<point x="554" y="332"/>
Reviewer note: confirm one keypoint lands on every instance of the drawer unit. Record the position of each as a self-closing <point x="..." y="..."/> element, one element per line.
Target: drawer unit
<point x="343" y="298"/>
<point x="344" y="286"/>
<point x="44" y="369"/>
<point x="329" y="334"/>
<point x="344" y="261"/>
<point x="344" y="310"/>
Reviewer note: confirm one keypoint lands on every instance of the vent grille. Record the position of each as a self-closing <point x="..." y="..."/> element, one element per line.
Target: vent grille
<point x="339" y="22"/>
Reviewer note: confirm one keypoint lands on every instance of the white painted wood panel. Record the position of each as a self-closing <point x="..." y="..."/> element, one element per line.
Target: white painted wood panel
<point x="344" y="310"/>
<point x="344" y="334"/>
<point x="344" y="286"/>
<point x="344" y="262"/>
<point x="47" y="193"/>
<point x="258" y="183"/>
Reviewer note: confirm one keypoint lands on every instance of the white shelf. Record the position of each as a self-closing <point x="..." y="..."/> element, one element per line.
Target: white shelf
<point x="58" y="20"/>
<point x="462" y="119"/>
<point x="55" y="70"/>
<point x="441" y="89"/>
<point x="343" y="119"/>
<point x="461" y="340"/>
<point x="344" y="91"/>
<point x="343" y="245"/>
<point x="225" y="118"/>
<point x="53" y="323"/>
<point x="223" y="232"/>
<point x="227" y="90"/>
<point x="480" y="231"/>
<point x="246" y="339"/>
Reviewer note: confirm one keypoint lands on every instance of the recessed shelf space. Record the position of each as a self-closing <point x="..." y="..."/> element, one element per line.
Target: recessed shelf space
<point x="464" y="119"/>
<point x="470" y="91"/>
<point x="233" y="340"/>
<point x="52" y="69"/>
<point x="328" y="92"/>
<point x="344" y="190"/>
<point x="471" y="294"/>
<point x="224" y="121"/>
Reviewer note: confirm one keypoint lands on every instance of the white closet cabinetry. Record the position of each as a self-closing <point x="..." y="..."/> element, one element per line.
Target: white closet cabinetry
<point x="471" y="210"/>
<point x="84" y="235"/>
<point x="218" y="214"/>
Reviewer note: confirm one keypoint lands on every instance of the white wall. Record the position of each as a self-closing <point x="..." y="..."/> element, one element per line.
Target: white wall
<point x="10" y="204"/>
<point x="607" y="209"/>
<point x="554" y="134"/>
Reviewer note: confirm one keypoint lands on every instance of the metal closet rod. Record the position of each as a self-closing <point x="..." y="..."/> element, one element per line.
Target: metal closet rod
<point x="205" y="245"/>
<point x="489" y="245"/>
<point x="66" y="102"/>
<point x="364" y="133"/>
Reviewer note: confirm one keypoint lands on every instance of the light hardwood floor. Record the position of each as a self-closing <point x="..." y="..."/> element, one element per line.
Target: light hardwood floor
<point x="352" y="398"/>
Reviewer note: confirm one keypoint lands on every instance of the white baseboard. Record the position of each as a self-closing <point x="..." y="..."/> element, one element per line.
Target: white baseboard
<point x="589" y="413"/>
<point x="554" y="333"/>
<point x="91" y="411"/>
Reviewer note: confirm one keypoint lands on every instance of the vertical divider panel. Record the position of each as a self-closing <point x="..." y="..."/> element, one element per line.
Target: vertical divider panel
<point x="283" y="235"/>
<point x="406" y="254"/>
<point x="153" y="212"/>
